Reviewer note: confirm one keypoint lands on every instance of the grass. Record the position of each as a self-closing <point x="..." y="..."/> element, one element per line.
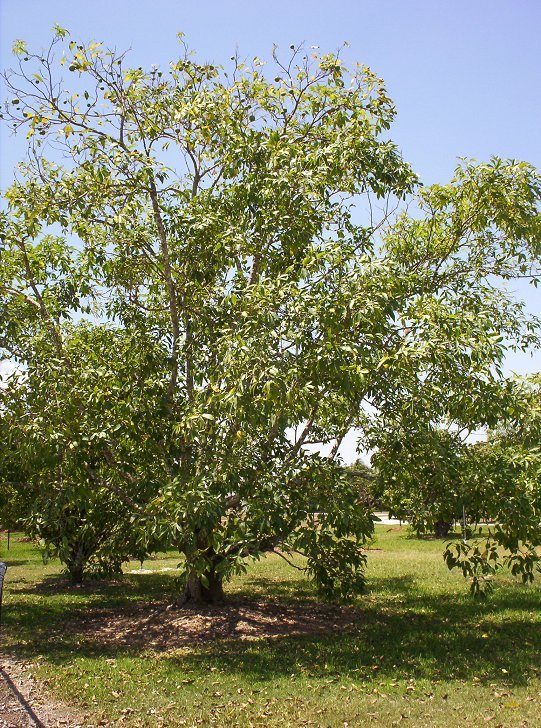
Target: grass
<point x="421" y="651"/>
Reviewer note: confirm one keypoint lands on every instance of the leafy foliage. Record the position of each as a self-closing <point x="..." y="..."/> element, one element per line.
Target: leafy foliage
<point x="505" y="483"/>
<point x="421" y="478"/>
<point x="187" y="285"/>
<point x="364" y="479"/>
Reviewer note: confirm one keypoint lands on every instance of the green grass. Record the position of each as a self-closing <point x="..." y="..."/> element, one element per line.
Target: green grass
<point x="421" y="652"/>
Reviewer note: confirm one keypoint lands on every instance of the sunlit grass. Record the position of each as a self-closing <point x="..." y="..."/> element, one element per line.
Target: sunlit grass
<point x="420" y="650"/>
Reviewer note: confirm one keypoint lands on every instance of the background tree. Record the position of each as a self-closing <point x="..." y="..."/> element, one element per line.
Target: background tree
<point x="504" y="475"/>
<point x="52" y="485"/>
<point x="421" y="478"/>
<point x="200" y="221"/>
<point x="364" y="478"/>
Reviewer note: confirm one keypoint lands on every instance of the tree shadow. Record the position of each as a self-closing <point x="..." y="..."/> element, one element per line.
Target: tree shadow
<point x="414" y="636"/>
<point x="424" y="638"/>
<point x="451" y="536"/>
<point x="124" y="587"/>
<point x="294" y="590"/>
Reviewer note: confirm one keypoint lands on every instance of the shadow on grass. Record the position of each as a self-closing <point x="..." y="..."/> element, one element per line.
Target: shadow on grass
<point x="434" y="638"/>
<point x="293" y="590"/>
<point x="397" y="631"/>
<point x="124" y="587"/>
<point x="10" y="563"/>
<point x="451" y="536"/>
<point x="51" y="611"/>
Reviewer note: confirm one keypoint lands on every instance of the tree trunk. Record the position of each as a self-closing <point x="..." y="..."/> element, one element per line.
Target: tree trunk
<point x="76" y="572"/>
<point x="76" y="563"/>
<point x="442" y="528"/>
<point x="206" y="589"/>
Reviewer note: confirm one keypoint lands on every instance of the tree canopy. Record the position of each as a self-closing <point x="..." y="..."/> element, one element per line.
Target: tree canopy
<point x="205" y="270"/>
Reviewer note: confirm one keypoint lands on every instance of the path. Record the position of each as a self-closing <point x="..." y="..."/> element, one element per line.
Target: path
<point x="12" y="712"/>
<point x="384" y="520"/>
<point x="24" y="703"/>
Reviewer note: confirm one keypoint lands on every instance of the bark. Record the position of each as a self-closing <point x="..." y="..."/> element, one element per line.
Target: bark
<point x="442" y="528"/>
<point x="77" y="561"/>
<point x="206" y="589"/>
<point x="76" y="572"/>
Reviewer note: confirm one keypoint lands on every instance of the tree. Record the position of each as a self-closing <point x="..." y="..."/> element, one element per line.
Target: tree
<point x="16" y="495"/>
<point x="197" y="241"/>
<point x="364" y="477"/>
<point x="421" y="478"/>
<point x="47" y="486"/>
<point x="504" y="475"/>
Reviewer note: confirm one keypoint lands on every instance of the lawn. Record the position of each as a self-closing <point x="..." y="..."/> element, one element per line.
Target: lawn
<point x="414" y="650"/>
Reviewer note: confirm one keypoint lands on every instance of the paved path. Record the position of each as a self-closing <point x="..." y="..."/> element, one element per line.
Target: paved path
<point x="384" y="520"/>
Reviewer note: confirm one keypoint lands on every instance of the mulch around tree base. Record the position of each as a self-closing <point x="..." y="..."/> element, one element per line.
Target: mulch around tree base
<point x="152" y="626"/>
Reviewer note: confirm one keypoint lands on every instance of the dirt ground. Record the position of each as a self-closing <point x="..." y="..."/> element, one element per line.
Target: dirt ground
<point x="12" y="713"/>
<point x="24" y="703"/>
<point x="160" y="627"/>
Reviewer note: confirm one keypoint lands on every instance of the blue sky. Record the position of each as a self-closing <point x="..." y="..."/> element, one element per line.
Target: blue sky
<point x="464" y="74"/>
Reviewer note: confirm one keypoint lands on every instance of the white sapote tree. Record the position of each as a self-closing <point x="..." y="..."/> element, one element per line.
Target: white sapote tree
<point x="186" y="281"/>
